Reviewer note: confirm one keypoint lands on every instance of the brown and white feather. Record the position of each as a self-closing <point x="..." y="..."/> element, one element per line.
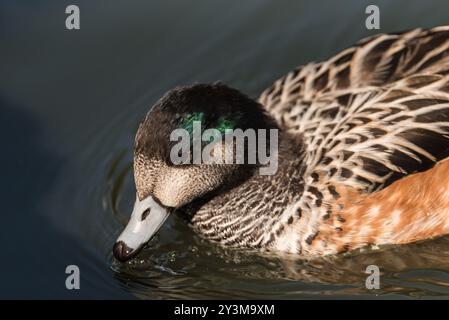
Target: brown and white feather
<point x="369" y="117"/>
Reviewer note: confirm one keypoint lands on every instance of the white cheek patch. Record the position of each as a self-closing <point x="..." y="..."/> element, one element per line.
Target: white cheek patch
<point x="146" y="219"/>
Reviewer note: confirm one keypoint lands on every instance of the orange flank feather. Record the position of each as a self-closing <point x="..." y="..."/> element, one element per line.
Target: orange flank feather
<point x="413" y="208"/>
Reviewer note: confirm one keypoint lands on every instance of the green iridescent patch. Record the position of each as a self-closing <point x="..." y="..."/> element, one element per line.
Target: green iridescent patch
<point x="226" y="122"/>
<point x="187" y="121"/>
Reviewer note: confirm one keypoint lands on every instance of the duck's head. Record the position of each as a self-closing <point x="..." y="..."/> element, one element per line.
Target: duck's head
<point x="167" y="172"/>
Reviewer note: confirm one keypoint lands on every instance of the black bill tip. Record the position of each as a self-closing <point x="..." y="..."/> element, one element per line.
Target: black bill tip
<point x="122" y="252"/>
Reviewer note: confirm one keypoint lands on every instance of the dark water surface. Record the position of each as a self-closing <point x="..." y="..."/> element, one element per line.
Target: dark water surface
<point x="70" y="102"/>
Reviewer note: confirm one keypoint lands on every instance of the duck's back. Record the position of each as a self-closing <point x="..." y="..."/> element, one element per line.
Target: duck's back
<point x="375" y="117"/>
<point x="374" y="61"/>
<point x="374" y="112"/>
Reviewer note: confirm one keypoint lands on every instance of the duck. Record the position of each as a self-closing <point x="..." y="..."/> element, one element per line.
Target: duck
<point x="363" y="155"/>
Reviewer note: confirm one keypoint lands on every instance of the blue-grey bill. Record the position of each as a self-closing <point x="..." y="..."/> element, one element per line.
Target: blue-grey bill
<point x="146" y="219"/>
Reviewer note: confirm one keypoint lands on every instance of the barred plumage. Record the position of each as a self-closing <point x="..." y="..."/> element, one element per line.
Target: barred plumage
<point x="363" y="153"/>
<point x="369" y="116"/>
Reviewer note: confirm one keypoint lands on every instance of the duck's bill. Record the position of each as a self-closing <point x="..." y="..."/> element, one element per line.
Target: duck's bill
<point x="147" y="218"/>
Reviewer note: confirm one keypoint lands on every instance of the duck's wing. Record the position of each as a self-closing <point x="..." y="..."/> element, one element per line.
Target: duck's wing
<point x="374" y="61"/>
<point x="362" y="141"/>
<point x="369" y="138"/>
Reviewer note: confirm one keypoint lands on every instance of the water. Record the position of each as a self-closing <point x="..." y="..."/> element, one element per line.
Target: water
<point x="70" y="103"/>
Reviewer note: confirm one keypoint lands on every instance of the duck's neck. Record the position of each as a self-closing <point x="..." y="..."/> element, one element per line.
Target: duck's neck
<point x="252" y="214"/>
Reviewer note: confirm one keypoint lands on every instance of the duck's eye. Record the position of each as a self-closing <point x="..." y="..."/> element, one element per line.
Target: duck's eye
<point x="145" y="214"/>
<point x="187" y="156"/>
